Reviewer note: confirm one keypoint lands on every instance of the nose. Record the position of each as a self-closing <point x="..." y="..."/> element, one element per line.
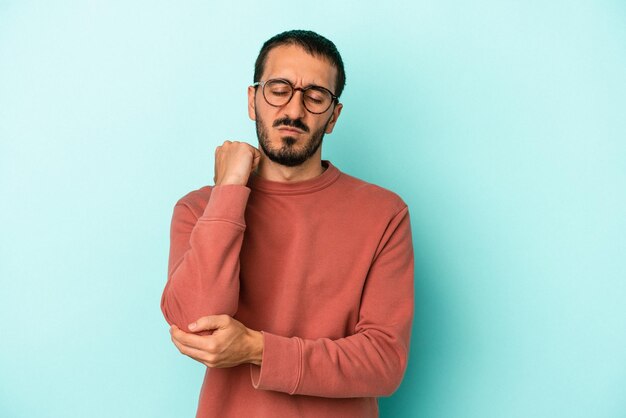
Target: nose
<point x="294" y="109"/>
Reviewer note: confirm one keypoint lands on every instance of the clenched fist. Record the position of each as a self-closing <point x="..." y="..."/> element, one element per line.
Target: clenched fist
<point x="234" y="161"/>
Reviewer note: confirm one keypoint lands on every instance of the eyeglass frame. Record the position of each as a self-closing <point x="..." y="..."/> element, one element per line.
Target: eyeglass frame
<point x="334" y="99"/>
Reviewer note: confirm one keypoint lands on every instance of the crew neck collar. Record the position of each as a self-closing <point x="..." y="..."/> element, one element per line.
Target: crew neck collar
<point x="328" y="177"/>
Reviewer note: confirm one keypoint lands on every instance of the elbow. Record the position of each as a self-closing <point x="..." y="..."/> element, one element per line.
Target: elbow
<point x="168" y="312"/>
<point x="183" y="308"/>
<point x="174" y="311"/>
<point x="390" y="386"/>
<point x="393" y="374"/>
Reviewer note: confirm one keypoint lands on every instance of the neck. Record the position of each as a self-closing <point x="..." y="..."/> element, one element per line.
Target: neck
<point x="272" y="171"/>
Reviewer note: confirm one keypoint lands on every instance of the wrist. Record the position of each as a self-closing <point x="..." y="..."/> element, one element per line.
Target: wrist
<point x="238" y="180"/>
<point x="256" y="347"/>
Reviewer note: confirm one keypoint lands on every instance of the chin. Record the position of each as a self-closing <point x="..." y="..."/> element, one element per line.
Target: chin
<point x="288" y="141"/>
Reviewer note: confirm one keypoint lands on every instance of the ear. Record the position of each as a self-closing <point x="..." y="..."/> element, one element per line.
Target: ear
<point x="333" y="118"/>
<point x="251" y="103"/>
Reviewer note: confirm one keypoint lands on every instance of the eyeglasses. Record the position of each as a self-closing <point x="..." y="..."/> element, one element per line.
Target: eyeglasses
<point x="278" y="92"/>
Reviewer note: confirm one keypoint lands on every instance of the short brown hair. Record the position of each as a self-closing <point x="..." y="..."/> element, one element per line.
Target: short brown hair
<point x="312" y="43"/>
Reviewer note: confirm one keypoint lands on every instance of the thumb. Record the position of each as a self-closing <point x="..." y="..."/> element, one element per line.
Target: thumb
<point x="255" y="159"/>
<point x="209" y="323"/>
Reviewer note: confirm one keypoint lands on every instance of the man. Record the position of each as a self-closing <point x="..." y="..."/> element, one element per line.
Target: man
<point x="290" y="280"/>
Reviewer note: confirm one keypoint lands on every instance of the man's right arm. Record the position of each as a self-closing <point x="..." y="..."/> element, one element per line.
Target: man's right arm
<point x="203" y="271"/>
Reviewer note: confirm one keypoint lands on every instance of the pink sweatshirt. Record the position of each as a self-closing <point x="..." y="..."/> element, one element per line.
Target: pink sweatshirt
<point x="323" y="267"/>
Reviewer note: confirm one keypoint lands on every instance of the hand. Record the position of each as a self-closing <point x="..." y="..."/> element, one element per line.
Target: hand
<point x="230" y="344"/>
<point x="234" y="161"/>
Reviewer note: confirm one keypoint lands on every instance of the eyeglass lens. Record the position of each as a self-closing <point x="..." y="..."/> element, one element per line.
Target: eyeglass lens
<point x="279" y="92"/>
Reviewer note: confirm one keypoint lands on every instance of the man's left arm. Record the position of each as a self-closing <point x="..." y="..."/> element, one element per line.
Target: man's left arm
<point x="371" y="362"/>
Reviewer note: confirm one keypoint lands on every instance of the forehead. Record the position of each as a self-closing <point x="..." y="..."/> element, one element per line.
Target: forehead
<point x="293" y="63"/>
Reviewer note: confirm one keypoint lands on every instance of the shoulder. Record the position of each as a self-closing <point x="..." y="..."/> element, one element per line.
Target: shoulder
<point x="369" y="195"/>
<point x="196" y="200"/>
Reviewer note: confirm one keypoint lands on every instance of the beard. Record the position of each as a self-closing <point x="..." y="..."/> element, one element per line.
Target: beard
<point x="289" y="154"/>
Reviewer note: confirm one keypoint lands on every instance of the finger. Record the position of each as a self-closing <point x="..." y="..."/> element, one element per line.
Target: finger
<point x="194" y="353"/>
<point x="188" y="339"/>
<point x="209" y="323"/>
<point x="256" y="158"/>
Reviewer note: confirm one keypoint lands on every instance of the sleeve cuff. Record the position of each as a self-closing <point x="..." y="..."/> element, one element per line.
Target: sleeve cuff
<point x="227" y="203"/>
<point x="281" y="368"/>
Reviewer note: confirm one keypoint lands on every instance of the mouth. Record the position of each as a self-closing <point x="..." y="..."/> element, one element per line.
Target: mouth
<point x="290" y="130"/>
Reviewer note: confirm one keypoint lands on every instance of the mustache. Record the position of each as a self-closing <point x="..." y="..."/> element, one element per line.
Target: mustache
<point x="294" y="123"/>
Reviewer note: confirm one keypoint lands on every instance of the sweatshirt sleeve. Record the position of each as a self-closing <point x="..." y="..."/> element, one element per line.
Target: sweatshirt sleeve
<point x="203" y="270"/>
<point x="372" y="361"/>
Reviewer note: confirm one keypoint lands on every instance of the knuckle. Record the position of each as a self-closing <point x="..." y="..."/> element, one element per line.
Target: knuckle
<point x="211" y="348"/>
<point x="180" y="348"/>
<point x="211" y="360"/>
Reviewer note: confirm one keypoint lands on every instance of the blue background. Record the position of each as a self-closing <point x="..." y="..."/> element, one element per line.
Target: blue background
<point x="501" y="124"/>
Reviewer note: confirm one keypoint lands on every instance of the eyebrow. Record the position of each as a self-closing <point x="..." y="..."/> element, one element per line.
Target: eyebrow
<point x="294" y="84"/>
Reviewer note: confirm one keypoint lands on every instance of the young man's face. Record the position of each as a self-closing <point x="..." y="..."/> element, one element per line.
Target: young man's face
<point x="290" y="134"/>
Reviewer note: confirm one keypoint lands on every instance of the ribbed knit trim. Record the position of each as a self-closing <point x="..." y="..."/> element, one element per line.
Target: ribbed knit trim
<point x="328" y="177"/>
<point x="281" y="368"/>
<point x="227" y="203"/>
